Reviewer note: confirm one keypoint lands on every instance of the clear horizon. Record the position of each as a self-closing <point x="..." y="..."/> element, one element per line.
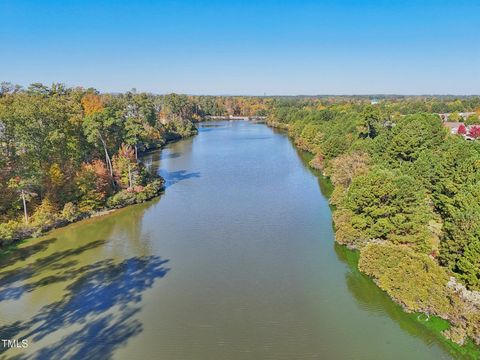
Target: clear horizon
<point x="246" y="48"/>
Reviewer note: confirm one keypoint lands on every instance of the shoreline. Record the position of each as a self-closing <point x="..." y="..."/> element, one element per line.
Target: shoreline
<point x="42" y="230"/>
<point x="434" y="323"/>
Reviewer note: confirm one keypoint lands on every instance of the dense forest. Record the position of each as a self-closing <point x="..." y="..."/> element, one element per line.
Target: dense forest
<point x="66" y="153"/>
<point x="406" y="195"/>
<point x="406" y="189"/>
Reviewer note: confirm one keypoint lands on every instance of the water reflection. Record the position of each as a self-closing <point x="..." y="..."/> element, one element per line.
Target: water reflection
<point x="154" y="159"/>
<point x="368" y="296"/>
<point x="371" y="298"/>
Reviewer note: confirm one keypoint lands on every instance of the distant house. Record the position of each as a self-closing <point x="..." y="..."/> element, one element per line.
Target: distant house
<point x="374" y="101"/>
<point x="464" y="115"/>
<point x="469" y="133"/>
<point x="453" y="126"/>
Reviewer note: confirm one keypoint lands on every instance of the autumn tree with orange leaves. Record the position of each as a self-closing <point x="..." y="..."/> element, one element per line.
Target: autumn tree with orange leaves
<point x="92" y="104"/>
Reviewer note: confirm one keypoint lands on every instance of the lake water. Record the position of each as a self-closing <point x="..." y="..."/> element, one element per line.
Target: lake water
<point x="235" y="261"/>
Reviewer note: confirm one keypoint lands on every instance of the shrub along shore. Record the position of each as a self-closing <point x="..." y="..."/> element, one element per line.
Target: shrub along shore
<point x="14" y="231"/>
<point x="406" y="197"/>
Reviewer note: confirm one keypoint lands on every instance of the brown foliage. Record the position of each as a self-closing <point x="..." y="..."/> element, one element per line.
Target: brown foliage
<point x="92" y="104"/>
<point x="96" y="176"/>
<point x="103" y="178"/>
<point x="347" y="166"/>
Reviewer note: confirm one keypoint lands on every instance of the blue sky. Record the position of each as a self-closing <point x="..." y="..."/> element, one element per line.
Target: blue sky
<point x="245" y="47"/>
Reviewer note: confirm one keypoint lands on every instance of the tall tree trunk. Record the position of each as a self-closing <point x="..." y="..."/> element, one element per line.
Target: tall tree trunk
<point x="24" y="207"/>
<point x="136" y="152"/>
<point x="129" y="176"/>
<point x="108" y="160"/>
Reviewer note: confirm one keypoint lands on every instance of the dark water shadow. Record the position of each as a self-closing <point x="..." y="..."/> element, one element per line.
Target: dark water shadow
<point x="103" y="301"/>
<point x="52" y="263"/>
<point x="206" y="129"/>
<point x="173" y="177"/>
<point x="16" y="253"/>
<point x="254" y="138"/>
<point x="164" y="155"/>
<point x="220" y="126"/>
<point x="325" y="184"/>
<point x="205" y="125"/>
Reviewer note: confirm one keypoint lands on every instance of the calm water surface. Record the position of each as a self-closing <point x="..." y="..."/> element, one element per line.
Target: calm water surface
<point x="235" y="261"/>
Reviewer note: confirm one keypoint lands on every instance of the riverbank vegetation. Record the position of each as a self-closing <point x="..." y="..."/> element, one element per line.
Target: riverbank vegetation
<point x="405" y="189"/>
<point x="66" y="153"/>
<point x="406" y="196"/>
